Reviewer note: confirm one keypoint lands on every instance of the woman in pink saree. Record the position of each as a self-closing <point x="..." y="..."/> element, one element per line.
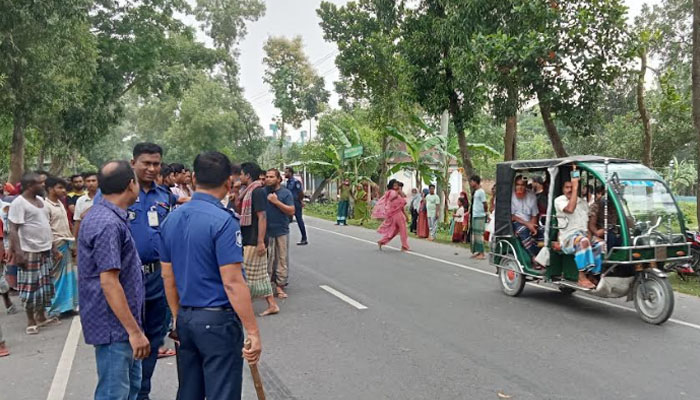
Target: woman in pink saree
<point x="392" y="205"/>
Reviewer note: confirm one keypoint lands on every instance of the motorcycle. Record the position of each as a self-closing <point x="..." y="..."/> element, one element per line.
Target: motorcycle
<point x="691" y="267"/>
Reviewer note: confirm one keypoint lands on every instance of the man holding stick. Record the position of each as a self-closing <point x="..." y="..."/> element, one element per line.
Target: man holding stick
<point x="205" y="288"/>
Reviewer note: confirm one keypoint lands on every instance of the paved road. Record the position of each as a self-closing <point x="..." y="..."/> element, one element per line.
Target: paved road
<point x="436" y="326"/>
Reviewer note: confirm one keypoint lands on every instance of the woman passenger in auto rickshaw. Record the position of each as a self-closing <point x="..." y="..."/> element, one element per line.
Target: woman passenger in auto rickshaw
<point x="574" y="237"/>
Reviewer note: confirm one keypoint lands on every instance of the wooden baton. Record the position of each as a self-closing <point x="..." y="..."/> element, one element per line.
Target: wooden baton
<point x="256" y="374"/>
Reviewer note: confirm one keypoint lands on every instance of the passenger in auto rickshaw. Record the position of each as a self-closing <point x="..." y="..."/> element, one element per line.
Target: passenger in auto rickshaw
<point x="540" y="193"/>
<point x="596" y="219"/>
<point x="573" y="234"/>
<point x="524" y="214"/>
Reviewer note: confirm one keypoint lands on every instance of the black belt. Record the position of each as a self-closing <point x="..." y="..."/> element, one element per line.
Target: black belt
<point x="223" y="308"/>
<point x="151" y="267"/>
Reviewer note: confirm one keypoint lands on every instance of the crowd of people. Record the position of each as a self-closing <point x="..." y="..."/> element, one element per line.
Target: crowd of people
<point x="424" y="210"/>
<point x="143" y="250"/>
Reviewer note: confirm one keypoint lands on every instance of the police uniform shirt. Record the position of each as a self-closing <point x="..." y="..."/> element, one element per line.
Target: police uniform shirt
<point x="197" y="239"/>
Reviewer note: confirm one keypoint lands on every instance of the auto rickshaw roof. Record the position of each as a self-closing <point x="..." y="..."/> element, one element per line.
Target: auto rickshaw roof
<point x="555" y="162"/>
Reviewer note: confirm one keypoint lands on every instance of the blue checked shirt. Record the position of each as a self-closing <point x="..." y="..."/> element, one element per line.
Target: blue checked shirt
<point x="105" y="243"/>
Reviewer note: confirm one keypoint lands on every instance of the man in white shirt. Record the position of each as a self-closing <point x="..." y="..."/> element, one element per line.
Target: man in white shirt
<point x="31" y="246"/>
<point x="432" y="205"/>
<point x="85" y="201"/>
<point x="524" y="213"/>
<point x="572" y="212"/>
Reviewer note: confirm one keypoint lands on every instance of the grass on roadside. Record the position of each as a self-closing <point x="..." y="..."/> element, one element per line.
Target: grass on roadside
<point x="689" y="286"/>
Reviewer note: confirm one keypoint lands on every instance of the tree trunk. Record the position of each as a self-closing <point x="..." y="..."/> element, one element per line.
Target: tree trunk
<point x="57" y="165"/>
<point x="461" y="137"/>
<point x="643" y="112"/>
<point x="552" y="132"/>
<point x="696" y="89"/>
<point x="41" y="158"/>
<point x="17" y="148"/>
<point x="383" y="168"/>
<point x="319" y="189"/>
<point x="510" y="139"/>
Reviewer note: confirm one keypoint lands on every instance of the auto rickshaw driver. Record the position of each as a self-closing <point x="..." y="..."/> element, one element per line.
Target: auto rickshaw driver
<point x="574" y="236"/>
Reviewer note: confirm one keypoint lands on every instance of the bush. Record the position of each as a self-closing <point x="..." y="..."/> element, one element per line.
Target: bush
<point x="690" y="215"/>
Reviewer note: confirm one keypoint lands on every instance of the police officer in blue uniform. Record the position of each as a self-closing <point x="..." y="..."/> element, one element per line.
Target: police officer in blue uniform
<point x="145" y="218"/>
<point x="206" y="289"/>
<point x="294" y="186"/>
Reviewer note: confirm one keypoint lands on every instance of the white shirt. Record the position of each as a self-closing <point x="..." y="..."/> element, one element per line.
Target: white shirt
<point x="577" y="221"/>
<point x="415" y="202"/>
<point x="81" y="206"/>
<point x="524" y="208"/>
<point x="34" y="230"/>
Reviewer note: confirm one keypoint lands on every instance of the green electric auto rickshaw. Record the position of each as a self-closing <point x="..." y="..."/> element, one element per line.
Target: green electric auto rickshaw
<point x="649" y="232"/>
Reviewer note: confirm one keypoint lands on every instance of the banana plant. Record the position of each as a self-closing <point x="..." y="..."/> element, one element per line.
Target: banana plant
<point x="332" y="157"/>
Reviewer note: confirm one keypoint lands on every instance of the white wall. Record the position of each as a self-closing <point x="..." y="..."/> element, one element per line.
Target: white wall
<point x="409" y="181"/>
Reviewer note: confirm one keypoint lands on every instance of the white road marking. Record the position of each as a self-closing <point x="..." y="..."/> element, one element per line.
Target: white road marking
<point x="60" y="378"/>
<point x="343" y="297"/>
<point x="481" y="271"/>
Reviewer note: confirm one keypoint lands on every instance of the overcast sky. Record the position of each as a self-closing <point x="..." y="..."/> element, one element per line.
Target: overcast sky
<point x="298" y="17"/>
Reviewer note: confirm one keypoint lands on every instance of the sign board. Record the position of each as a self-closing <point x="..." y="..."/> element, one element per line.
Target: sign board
<point x="273" y="128"/>
<point x="353" y="152"/>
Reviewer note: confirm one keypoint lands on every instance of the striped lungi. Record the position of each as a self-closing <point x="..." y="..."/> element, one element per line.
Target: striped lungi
<point x="256" y="272"/>
<point x="34" y="281"/>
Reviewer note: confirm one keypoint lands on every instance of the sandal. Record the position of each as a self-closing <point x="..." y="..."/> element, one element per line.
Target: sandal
<point x="32" y="330"/>
<point x="166" y="353"/>
<point x="4" y="351"/>
<point x="282" y="295"/>
<point x="11" y="310"/>
<point x="53" y="321"/>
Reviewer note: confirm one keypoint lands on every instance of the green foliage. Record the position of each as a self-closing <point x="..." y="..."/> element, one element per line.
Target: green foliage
<point x="299" y="92"/>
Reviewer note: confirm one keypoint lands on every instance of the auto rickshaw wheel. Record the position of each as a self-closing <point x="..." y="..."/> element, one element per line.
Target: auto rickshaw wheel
<point x="512" y="282"/>
<point x="653" y="299"/>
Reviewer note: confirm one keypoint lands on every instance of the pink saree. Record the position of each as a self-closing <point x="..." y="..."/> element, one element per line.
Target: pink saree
<point x="394" y="219"/>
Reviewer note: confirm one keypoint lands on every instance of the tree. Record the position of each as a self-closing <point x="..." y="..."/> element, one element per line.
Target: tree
<point x="445" y="73"/>
<point x="696" y="88"/>
<point x="45" y="46"/>
<point x="370" y="64"/>
<point x="562" y="53"/>
<point x="299" y="91"/>
<point x="225" y="23"/>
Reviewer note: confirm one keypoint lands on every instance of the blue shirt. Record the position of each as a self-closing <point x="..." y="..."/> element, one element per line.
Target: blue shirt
<point x="197" y="239"/>
<point x="294" y="186"/>
<point x="147" y="238"/>
<point x="478" y="200"/>
<point x="105" y="243"/>
<point x="277" y="221"/>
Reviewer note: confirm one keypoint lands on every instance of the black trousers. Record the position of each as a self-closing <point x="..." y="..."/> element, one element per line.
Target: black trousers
<point x="414" y="221"/>
<point x="210" y="362"/>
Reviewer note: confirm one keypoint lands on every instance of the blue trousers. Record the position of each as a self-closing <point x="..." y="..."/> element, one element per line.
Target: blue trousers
<point x="343" y="206"/>
<point x="210" y="362"/>
<point x="300" y="220"/>
<point x="118" y="373"/>
<point x="527" y="239"/>
<point x="155" y="328"/>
